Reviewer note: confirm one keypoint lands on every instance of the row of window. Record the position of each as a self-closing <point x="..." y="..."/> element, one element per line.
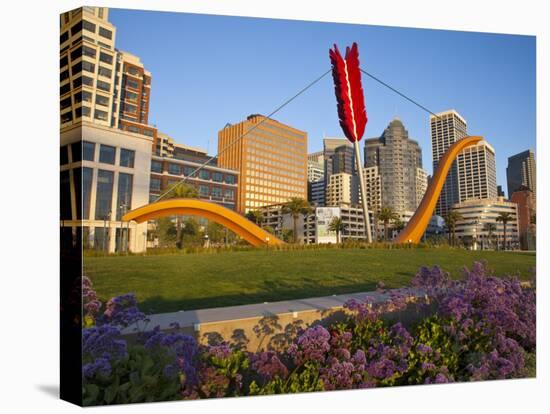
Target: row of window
<point x="187" y="171"/>
<point x="88" y="26"/>
<point x="204" y="190"/>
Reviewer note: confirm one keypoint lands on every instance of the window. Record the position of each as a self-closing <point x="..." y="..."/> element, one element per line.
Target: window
<point x="88" y="67"/>
<point x="76" y="151"/>
<point x="64" y="37"/>
<point x="63" y="155"/>
<point x="77" y="28"/>
<point x="82" y="111"/>
<point x="101" y="115"/>
<point x="107" y="34"/>
<point x="64" y="89"/>
<point x="217" y="176"/>
<point x="131" y="96"/>
<point x="82" y="96"/>
<point x="216" y="192"/>
<point x="132" y="128"/>
<point x="156" y="166"/>
<point x="88" y="150"/>
<point x="174" y="169"/>
<point x="104" y="194"/>
<point x="63" y="75"/>
<point x="187" y="171"/>
<point x="132" y="70"/>
<point x="124" y="195"/>
<point x="105" y="72"/>
<point x="66" y="117"/>
<point x="229" y="179"/>
<point x="132" y="109"/>
<point x="101" y="100"/>
<point x="107" y="154"/>
<point x="77" y="68"/>
<point x="65" y="195"/>
<point x="148" y="132"/>
<point x="65" y="103"/>
<point x="127" y="157"/>
<point x="88" y="51"/>
<point x="205" y="175"/>
<point x="155" y="184"/>
<point x="89" y="26"/>
<point x="203" y="190"/>
<point x="132" y="84"/>
<point x="75" y="54"/>
<point x="64" y="61"/>
<point x="104" y="86"/>
<point x="87" y="176"/>
<point x="105" y="57"/>
<point x="229" y="194"/>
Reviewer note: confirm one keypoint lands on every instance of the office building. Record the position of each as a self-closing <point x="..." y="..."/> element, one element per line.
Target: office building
<point x="271" y="160"/>
<point x="316" y="179"/>
<point x="521" y="171"/>
<point x="104" y="174"/>
<point x="315" y="171"/>
<point x="399" y="162"/>
<point x="500" y="191"/>
<point x="446" y="128"/>
<point x="339" y="157"/>
<point x="477" y="176"/>
<point x="342" y="188"/>
<point x="97" y="82"/>
<point x="314" y="228"/>
<point x="525" y="200"/>
<point x="373" y="188"/>
<point x="472" y="232"/>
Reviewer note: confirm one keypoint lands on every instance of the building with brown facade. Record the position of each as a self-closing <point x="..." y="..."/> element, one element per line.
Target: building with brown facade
<point x="525" y="199"/>
<point x="271" y="158"/>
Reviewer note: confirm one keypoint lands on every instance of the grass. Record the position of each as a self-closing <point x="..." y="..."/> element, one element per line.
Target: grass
<point x="175" y="282"/>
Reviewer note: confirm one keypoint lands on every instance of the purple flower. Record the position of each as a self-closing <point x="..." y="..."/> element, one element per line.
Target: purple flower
<point x="311" y="345"/>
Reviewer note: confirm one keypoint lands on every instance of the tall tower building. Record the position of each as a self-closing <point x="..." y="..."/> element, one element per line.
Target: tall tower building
<point x="446" y="128"/>
<point x="399" y="160"/>
<point x="521" y="171"/>
<point x="339" y="157"/>
<point x="99" y="83"/>
<point x="342" y="188"/>
<point x="316" y="178"/>
<point x="271" y="159"/>
<point x="477" y="176"/>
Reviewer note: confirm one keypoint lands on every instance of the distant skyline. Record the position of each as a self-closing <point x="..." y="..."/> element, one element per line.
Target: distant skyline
<point x="211" y="70"/>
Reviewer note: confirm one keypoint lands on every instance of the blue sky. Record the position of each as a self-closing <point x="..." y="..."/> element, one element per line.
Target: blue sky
<point x="210" y="70"/>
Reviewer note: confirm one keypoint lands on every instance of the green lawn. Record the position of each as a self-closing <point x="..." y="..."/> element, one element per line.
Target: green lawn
<point x="193" y="281"/>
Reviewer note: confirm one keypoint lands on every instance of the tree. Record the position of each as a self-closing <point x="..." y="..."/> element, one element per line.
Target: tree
<point x="181" y="190"/>
<point x="490" y="228"/>
<point x="296" y="206"/>
<point x="337" y="225"/>
<point x="398" y="225"/>
<point x="504" y="218"/>
<point x="386" y="215"/>
<point x="255" y="216"/>
<point x="451" y="219"/>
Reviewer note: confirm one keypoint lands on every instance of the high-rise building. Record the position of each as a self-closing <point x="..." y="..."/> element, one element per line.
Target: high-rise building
<point x="339" y="157"/>
<point x="316" y="179"/>
<point x="399" y="162"/>
<point x="446" y="128"/>
<point x="97" y="82"/>
<point x="500" y="191"/>
<point x="373" y="188"/>
<point x="521" y="171"/>
<point x="271" y="160"/>
<point x="525" y="200"/>
<point x="477" y="175"/>
<point x="342" y="188"/>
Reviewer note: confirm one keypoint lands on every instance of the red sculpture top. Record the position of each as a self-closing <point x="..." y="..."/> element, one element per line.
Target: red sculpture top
<point x="349" y="92"/>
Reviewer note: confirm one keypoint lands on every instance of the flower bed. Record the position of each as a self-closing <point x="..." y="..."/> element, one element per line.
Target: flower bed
<point x="483" y="328"/>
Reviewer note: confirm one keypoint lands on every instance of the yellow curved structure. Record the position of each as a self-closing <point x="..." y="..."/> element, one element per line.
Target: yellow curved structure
<point x="249" y="231"/>
<point x="418" y="223"/>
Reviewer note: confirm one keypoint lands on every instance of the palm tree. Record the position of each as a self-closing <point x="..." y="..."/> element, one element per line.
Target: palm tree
<point x="451" y="219"/>
<point x="296" y="206"/>
<point x="504" y="218"/>
<point x="490" y="228"/>
<point x="398" y="225"/>
<point x="181" y="190"/>
<point x="337" y="225"/>
<point x="385" y="215"/>
<point x="255" y="216"/>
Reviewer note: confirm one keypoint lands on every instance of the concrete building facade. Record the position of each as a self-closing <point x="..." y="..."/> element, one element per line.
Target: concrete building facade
<point x="271" y="160"/>
<point x="525" y="200"/>
<point x="342" y="188"/>
<point x="471" y="230"/>
<point x="477" y="172"/>
<point x="446" y="128"/>
<point x="399" y="160"/>
<point x="521" y="171"/>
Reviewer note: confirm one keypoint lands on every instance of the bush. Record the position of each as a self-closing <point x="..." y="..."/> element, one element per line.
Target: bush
<point x="483" y="328"/>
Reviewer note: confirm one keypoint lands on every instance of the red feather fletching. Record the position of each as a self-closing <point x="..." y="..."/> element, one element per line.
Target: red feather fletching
<point x="349" y="92"/>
